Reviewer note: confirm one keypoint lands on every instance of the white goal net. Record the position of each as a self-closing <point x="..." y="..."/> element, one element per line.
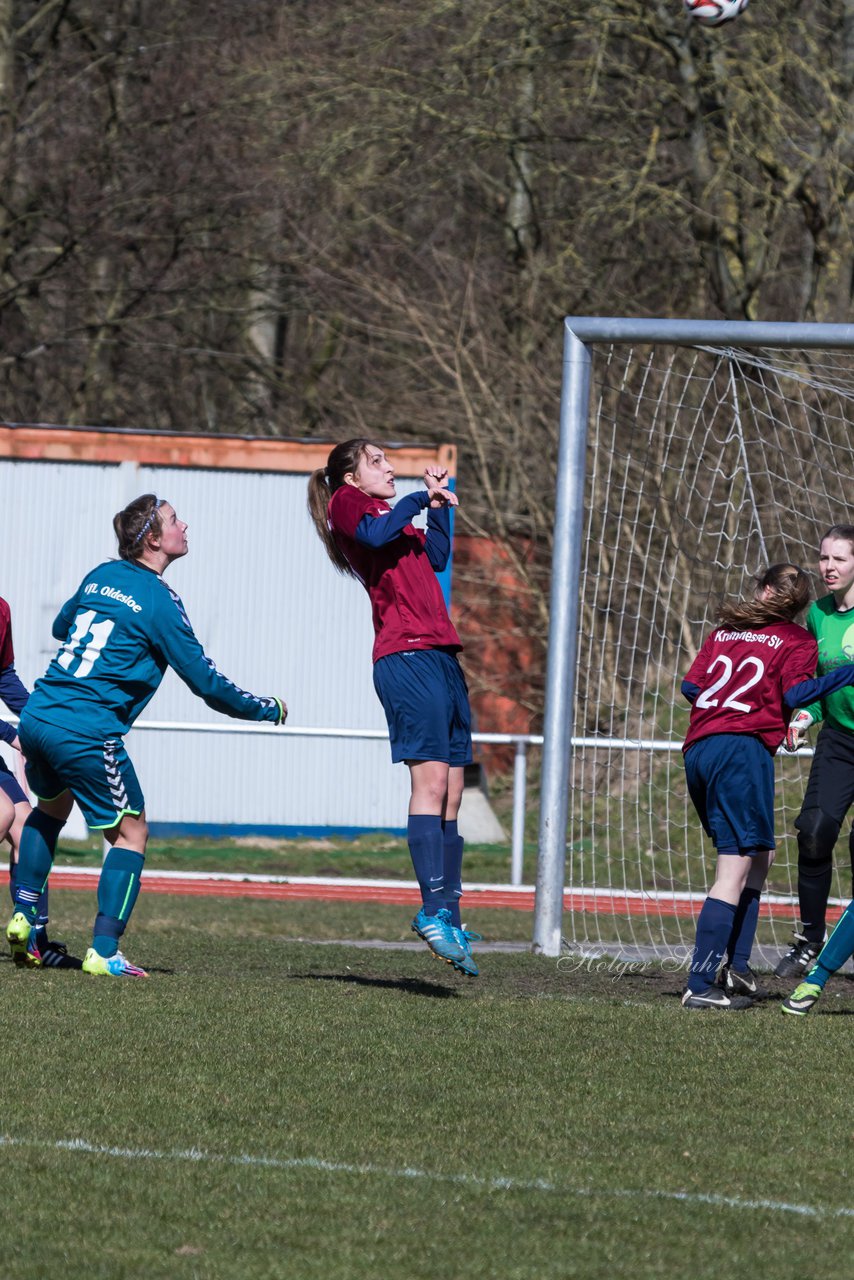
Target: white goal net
<point x="703" y="467"/>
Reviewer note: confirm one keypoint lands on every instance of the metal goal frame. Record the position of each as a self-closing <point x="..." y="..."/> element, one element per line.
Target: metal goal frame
<point x="581" y="334"/>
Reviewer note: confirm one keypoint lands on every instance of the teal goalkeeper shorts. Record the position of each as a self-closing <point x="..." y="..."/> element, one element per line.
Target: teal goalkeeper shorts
<point x="99" y="775"/>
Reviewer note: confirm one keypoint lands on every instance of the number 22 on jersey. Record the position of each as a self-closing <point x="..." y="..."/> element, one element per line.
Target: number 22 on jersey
<point x="708" y="697"/>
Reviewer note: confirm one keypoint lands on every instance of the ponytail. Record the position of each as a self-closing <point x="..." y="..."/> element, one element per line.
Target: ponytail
<point x="322" y="484"/>
<point x="789" y="595"/>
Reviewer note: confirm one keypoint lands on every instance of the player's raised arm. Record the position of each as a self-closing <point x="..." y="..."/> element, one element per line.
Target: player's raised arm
<point x="377" y="529"/>
<point x="437" y="481"/>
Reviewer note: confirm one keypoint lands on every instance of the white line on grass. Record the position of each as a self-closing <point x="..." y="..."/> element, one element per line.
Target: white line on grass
<point x="193" y="1155"/>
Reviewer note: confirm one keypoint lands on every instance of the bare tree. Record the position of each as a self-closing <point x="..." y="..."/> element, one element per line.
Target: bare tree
<point x="317" y="218"/>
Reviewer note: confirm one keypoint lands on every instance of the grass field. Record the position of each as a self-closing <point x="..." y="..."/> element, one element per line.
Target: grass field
<point x="269" y="1107"/>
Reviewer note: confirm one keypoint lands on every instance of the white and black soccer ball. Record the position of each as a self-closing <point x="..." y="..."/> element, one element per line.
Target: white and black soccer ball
<point x="714" y="13"/>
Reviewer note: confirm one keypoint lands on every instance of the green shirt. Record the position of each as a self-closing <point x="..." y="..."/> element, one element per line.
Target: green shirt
<point x="834" y="632"/>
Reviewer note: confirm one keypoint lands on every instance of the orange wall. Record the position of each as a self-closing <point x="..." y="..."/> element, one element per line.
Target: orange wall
<point x="491" y="610"/>
<point x="83" y="444"/>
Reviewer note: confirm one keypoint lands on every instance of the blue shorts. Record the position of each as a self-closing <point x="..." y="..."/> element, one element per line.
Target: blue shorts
<point x="10" y="785"/>
<point x="731" y="783"/>
<point x="426" y="702"/>
<point x="99" y="775"/>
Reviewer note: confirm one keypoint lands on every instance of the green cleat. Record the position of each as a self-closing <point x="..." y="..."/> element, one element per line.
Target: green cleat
<point x="802" y="999"/>
<point x="21" y="936"/>
<point x="110" y="966"/>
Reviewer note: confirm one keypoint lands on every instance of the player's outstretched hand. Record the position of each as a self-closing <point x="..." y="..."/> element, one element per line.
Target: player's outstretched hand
<point x="797" y="730"/>
<point x="436" y="480"/>
<point x="283" y="711"/>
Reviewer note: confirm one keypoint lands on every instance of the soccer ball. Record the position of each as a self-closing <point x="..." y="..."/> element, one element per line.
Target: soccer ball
<point x="714" y="13"/>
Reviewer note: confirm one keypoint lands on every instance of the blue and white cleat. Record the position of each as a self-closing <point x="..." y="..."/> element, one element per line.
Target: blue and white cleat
<point x="438" y="932"/>
<point x="111" y="966"/>
<point x="23" y="944"/>
<point x="465" y="937"/>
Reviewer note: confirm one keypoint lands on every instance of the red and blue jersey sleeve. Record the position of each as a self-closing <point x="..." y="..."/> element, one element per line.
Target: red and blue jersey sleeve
<point x="392" y="562"/>
<point x="349" y="505"/>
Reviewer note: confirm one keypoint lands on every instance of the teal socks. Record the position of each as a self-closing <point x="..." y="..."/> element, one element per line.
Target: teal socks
<point x="35" y="859"/>
<point x="838" y="948"/>
<point x="118" y="890"/>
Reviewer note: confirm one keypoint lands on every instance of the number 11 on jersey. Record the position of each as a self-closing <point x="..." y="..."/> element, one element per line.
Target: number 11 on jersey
<point x="84" y="625"/>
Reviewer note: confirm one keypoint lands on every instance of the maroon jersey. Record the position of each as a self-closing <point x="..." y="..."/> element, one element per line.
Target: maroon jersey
<point x="742" y="676"/>
<point x="7" y="657"/>
<point x="407" y="604"/>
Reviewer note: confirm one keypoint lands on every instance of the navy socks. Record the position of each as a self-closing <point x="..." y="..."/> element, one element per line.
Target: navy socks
<point x="453" y="845"/>
<point x="426" y="847"/>
<point x="743" y="933"/>
<point x="436" y="848"/>
<point x="714" y="926"/>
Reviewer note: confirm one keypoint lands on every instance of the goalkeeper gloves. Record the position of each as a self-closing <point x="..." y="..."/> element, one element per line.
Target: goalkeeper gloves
<point x="797" y="730"/>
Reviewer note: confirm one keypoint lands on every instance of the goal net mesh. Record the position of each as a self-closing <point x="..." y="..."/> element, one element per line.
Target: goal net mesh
<point x="704" y="466"/>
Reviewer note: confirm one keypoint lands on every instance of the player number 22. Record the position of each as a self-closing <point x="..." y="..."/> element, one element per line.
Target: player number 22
<point x="99" y="633"/>
<point x="707" y="698"/>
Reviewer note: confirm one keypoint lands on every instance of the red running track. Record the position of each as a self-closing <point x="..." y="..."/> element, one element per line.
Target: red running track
<point x="404" y="894"/>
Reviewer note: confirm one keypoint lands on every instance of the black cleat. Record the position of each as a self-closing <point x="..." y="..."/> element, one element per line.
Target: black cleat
<point x="799" y="958"/>
<point x="741" y="982"/>
<point x="55" y="956"/>
<point x="713" y="998"/>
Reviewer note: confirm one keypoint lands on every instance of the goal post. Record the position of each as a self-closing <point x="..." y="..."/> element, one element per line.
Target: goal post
<point x="706" y="446"/>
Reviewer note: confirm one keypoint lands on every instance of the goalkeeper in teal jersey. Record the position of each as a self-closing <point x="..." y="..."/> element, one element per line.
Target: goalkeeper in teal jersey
<point x="119" y="632"/>
<point x="830" y="788"/>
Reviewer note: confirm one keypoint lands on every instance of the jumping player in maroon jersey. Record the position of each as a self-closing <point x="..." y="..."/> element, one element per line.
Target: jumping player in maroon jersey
<point x="416" y="672"/>
<point x="750" y="674"/>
